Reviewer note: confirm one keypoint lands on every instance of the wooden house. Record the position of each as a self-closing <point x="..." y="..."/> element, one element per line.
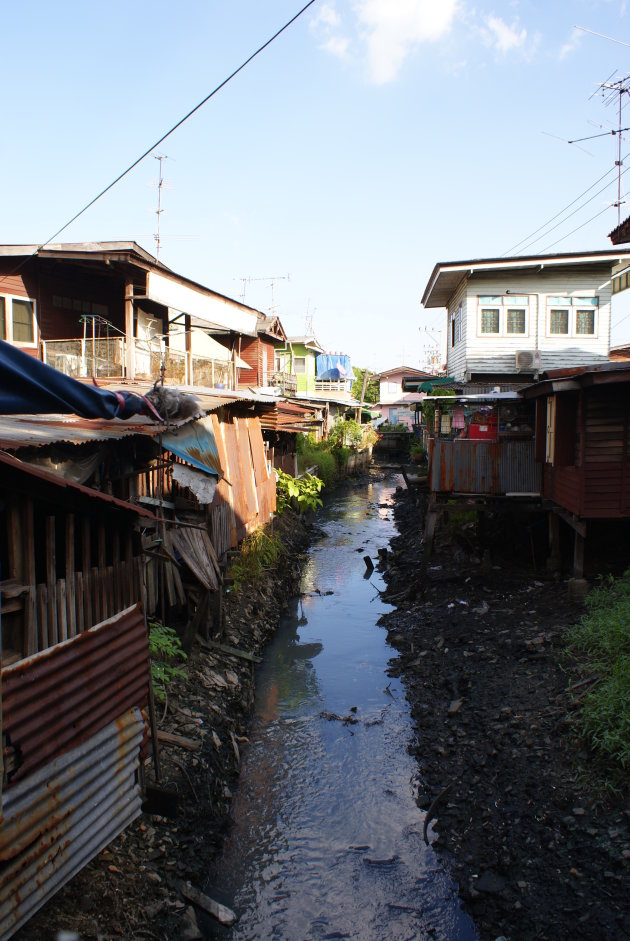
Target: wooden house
<point x="266" y="368"/>
<point x="396" y="405"/>
<point x="111" y="310"/>
<point x="583" y="446"/>
<point x="508" y="319"/>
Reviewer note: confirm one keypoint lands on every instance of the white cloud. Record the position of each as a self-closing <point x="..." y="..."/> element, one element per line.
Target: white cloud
<point x="326" y="26"/>
<point x="392" y="30"/>
<point x="572" y="43"/>
<point x="503" y="37"/>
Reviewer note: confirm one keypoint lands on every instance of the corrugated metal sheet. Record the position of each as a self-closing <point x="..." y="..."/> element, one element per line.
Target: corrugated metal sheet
<point x="59" y="818"/>
<point x="23" y="467"/>
<point x="33" y="431"/>
<point x="196" y="444"/>
<point x="59" y="697"/>
<point x="484" y="467"/>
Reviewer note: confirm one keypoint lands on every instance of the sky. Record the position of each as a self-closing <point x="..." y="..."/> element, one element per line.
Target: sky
<point x="370" y="140"/>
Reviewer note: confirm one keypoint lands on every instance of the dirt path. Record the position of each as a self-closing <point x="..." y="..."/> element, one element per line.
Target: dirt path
<point x="536" y="853"/>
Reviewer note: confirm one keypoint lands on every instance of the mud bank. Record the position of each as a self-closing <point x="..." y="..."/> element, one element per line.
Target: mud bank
<point x="537" y="852"/>
<point x="133" y="890"/>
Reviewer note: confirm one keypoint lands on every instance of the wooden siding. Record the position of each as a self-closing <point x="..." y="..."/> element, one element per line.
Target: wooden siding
<point x="496" y="354"/>
<point x="250" y="354"/>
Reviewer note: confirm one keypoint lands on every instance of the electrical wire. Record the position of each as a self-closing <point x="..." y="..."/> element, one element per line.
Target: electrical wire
<point x="566" y="218"/>
<point x="561" y="212"/>
<point x="168" y="133"/>
<point x="563" y="237"/>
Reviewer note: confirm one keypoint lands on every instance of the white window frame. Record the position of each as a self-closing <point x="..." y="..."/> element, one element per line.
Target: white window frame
<point x="572" y="305"/>
<point x="302" y="361"/>
<point x="8" y="320"/>
<point x="503" y="303"/>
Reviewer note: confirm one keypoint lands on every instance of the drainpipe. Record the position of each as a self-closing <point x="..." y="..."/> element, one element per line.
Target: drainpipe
<point x="130" y="352"/>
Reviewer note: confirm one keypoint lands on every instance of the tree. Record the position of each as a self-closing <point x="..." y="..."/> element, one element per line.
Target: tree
<point x="372" y="389"/>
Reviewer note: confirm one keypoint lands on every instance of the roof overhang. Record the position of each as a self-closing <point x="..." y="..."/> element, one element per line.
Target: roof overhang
<point x="447" y="276"/>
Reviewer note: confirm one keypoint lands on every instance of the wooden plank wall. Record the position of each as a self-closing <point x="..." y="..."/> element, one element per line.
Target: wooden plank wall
<point x="248" y="501"/>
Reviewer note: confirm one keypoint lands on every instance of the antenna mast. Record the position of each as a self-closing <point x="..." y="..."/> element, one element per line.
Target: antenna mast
<point x="617" y="89"/>
<point x="159" y="210"/>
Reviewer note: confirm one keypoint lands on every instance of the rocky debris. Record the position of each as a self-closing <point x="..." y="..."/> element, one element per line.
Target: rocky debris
<point x="537" y="852"/>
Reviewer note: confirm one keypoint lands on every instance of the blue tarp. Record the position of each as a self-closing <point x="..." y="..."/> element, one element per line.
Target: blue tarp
<point x="30" y="387"/>
<point x="333" y="366"/>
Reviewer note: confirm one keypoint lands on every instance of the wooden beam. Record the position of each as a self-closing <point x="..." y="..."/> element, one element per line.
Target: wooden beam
<point x="130" y="345"/>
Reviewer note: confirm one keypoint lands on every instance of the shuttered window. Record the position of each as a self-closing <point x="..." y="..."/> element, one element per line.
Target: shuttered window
<point x="17" y="320"/>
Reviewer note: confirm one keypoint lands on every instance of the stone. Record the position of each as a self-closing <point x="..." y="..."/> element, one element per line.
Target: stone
<point x="190" y="929"/>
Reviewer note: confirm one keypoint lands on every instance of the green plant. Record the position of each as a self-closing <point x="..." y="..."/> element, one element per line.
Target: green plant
<point x="600" y="644"/>
<point x="164" y="648"/>
<point x="428" y="408"/>
<point x="303" y="492"/>
<point x="258" y="551"/>
<point x="346" y="433"/>
<point x="417" y="452"/>
<point x="371" y="392"/>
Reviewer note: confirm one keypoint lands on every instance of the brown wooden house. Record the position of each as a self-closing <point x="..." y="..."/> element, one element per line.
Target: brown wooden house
<point x="582" y="432"/>
<point x="259" y="352"/>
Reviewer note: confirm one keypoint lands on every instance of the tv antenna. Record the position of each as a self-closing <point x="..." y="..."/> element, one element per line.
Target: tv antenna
<point x="159" y="210"/>
<point x="270" y="281"/>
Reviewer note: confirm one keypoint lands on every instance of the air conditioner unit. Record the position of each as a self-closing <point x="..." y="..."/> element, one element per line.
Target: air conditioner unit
<point x="528" y="359"/>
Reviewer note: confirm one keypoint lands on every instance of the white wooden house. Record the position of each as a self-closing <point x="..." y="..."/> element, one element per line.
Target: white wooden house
<point x="510" y="318"/>
<point x="397" y="406"/>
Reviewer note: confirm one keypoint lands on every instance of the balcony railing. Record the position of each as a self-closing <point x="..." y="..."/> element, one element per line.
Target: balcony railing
<point x="106" y="359"/>
<point x="285" y="381"/>
<point x="333" y="385"/>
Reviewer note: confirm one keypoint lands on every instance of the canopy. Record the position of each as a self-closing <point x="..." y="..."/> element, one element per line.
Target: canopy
<point x="333" y="366"/>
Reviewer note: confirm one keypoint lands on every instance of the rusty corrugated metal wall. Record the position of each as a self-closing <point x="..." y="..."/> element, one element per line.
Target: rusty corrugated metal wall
<point x="483" y="467"/>
<point x="60" y="817"/>
<point x="58" y="698"/>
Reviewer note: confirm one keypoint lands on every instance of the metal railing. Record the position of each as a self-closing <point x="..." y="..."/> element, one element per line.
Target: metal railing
<point x="107" y="358"/>
<point x="333" y="385"/>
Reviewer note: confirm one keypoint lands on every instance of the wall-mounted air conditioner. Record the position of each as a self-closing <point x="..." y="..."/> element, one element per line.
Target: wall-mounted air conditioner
<point x="528" y="359"/>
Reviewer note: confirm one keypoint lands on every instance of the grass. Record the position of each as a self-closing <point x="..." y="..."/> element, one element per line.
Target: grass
<point x="258" y="551"/>
<point x="600" y="643"/>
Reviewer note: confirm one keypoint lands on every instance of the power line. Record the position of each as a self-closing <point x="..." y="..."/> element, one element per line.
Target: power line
<point x="562" y="238"/>
<point x="179" y="123"/>
<point x="566" y="218"/>
<point x="562" y="211"/>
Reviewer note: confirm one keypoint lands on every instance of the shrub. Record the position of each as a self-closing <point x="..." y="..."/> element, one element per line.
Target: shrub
<point x="601" y="644"/>
<point x="301" y="492"/>
<point x="258" y="551"/>
<point x="165" y="647"/>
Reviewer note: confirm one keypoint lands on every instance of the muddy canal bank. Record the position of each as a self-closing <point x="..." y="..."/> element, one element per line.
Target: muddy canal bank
<point x="537" y="853"/>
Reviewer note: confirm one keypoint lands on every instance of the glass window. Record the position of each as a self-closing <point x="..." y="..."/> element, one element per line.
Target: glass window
<point x="299" y="364"/>
<point x="585" y="301"/>
<point x="585" y="322"/>
<point x="559" y="321"/>
<point x="515" y="320"/>
<point x="489" y="320"/>
<point x="23" y="322"/>
<point x="3" y="319"/>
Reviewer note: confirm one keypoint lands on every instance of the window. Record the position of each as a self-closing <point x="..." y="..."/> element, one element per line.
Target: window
<point x="457" y="325"/>
<point x="299" y="364"/>
<point x="503" y="315"/>
<point x="17" y="320"/>
<point x="572" y="316"/>
<point x="516" y="320"/>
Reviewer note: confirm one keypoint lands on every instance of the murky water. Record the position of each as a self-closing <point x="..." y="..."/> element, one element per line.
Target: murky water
<point x="327" y="841"/>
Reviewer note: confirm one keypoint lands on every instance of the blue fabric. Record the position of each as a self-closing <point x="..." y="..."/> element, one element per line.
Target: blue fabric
<point x="333" y="366"/>
<point x="30" y="387"/>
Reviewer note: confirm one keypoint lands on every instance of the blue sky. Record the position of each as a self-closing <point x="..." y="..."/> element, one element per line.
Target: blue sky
<point x="371" y="140"/>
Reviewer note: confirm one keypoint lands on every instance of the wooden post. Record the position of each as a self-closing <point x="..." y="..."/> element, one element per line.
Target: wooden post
<point x="554" y="560"/>
<point x="130" y="345"/>
<point x="71" y="614"/>
<point x="15" y="546"/>
<point x="30" y="626"/>
<point x="51" y="580"/>
<point x="189" y="356"/>
<point x="578" y="555"/>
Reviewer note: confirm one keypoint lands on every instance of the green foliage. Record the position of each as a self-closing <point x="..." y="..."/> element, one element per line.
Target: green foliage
<point x="301" y="492"/>
<point x="428" y="408"/>
<point x="164" y="648"/>
<point x="369" y="436"/>
<point x="258" y="551"/>
<point x="346" y="434"/>
<point x="317" y="454"/>
<point x="387" y="426"/>
<point x="601" y="644"/>
<point x="417" y="452"/>
<point x="372" y="387"/>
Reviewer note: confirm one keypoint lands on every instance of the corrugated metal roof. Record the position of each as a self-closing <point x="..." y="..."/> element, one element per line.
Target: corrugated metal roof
<point x="32" y="470"/>
<point x="59" y="818"/>
<point x="56" y="699"/>
<point x="22" y="431"/>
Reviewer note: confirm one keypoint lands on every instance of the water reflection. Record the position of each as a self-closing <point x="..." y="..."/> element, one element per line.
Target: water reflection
<point x="327" y="841"/>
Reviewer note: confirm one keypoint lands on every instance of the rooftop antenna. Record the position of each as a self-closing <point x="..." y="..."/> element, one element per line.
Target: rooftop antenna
<point x="308" y="320"/>
<point x="159" y="210"/>
<point x="271" y="282"/>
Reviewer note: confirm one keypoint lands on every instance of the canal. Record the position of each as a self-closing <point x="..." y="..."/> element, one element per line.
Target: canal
<point x="327" y="839"/>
